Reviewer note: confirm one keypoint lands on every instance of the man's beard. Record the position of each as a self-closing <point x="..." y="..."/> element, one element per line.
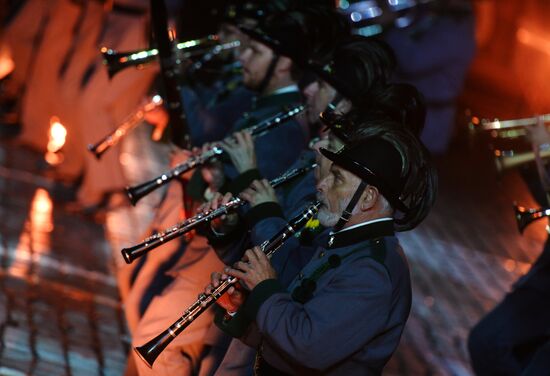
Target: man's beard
<point x="328" y="218"/>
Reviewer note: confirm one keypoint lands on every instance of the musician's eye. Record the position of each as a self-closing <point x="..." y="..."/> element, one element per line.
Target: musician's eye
<point x="337" y="176"/>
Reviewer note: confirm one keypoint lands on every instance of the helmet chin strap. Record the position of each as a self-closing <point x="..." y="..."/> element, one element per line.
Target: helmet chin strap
<point x="268" y="74"/>
<point x="346" y="214"/>
<point x="333" y="103"/>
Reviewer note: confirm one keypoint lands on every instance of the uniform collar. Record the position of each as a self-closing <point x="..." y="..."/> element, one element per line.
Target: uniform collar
<point x="363" y="231"/>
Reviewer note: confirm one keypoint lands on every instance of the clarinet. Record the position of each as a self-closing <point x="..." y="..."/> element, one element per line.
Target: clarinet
<point x="139" y="191"/>
<point x="122" y="130"/>
<point x="182" y="228"/>
<point x="216" y="50"/>
<point x="152" y="349"/>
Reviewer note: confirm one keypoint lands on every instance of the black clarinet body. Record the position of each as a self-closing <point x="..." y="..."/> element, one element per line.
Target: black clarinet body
<point x="136" y="193"/>
<point x="152" y="349"/>
<point x="180" y="229"/>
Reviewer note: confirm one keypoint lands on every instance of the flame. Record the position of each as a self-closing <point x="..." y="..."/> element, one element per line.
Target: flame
<point x="7" y="65"/>
<point x="172" y="33"/>
<point x="56" y="140"/>
<point x="58" y="135"/>
<point x="35" y="238"/>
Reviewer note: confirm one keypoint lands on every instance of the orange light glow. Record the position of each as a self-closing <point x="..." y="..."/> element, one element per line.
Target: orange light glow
<point x="510" y="265"/>
<point x="7" y="64"/>
<point x="58" y="135"/>
<point x="35" y="238"/>
<point x="172" y="33"/>
<point x="533" y="40"/>
<point x="56" y="140"/>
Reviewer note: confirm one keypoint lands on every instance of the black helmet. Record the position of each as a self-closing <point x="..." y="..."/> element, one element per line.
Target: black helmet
<point x="237" y="10"/>
<point x="401" y="103"/>
<point x="395" y="161"/>
<point x="356" y="66"/>
<point x="303" y="33"/>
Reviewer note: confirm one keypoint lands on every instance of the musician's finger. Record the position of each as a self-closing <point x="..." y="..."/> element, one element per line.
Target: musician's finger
<point x="226" y="198"/>
<point x="240" y="265"/>
<point x="256" y="185"/>
<point x="215" y="278"/>
<point x="252" y="256"/>
<point x="202" y="208"/>
<point x="248" y="138"/>
<point x="265" y="184"/>
<point x="235" y="273"/>
<point x="157" y="133"/>
<point x="205" y="147"/>
<point x="226" y="144"/>
<point x="239" y="137"/>
<point x="246" y="195"/>
<point x="260" y="256"/>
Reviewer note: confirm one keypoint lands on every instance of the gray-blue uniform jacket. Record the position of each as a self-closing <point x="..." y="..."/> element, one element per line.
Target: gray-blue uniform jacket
<point x="263" y="221"/>
<point x="213" y="110"/>
<point x="276" y="150"/>
<point x="342" y="315"/>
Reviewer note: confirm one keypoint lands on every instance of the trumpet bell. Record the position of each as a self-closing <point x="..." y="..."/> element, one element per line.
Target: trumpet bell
<point x="525" y="216"/>
<point x="508" y="159"/>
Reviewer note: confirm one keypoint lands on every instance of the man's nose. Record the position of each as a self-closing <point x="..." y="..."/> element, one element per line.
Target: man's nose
<point x="243" y="56"/>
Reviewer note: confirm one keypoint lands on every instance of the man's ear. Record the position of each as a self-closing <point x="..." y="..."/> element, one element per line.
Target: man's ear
<point x="369" y="198"/>
<point x="284" y="64"/>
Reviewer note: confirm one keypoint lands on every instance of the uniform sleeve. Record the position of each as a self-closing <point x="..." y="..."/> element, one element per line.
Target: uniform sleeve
<point x="209" y="124"/>
<point x="351" y="310"/>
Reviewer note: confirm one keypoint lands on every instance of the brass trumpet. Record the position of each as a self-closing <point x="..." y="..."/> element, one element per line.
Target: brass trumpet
<point x="505" y="128"/>
<point x="180" y="229"/>
<point x="137" y="192"/>
<point x="123" y="129"/>
<point x="524" y="216"/>
<point x="507" y="159"/>
<point x="152" y="349"/>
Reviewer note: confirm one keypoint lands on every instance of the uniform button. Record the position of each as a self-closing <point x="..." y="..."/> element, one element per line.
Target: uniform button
<point x="322" y="254"/>
<point x="301" y="276"/>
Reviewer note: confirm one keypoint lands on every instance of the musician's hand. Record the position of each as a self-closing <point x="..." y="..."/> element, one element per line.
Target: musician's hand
<point x="538" y="134"/>
<point x="241" y="150"/>
<point x="212" y="172"/>
<point x="180" y="156"/>
<point x="232" y="299"/>
<point x="253" y="269"/>
<point x="158" y="118"/>
<point x="226" y="223"/>
<point x="259" y="192"/>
